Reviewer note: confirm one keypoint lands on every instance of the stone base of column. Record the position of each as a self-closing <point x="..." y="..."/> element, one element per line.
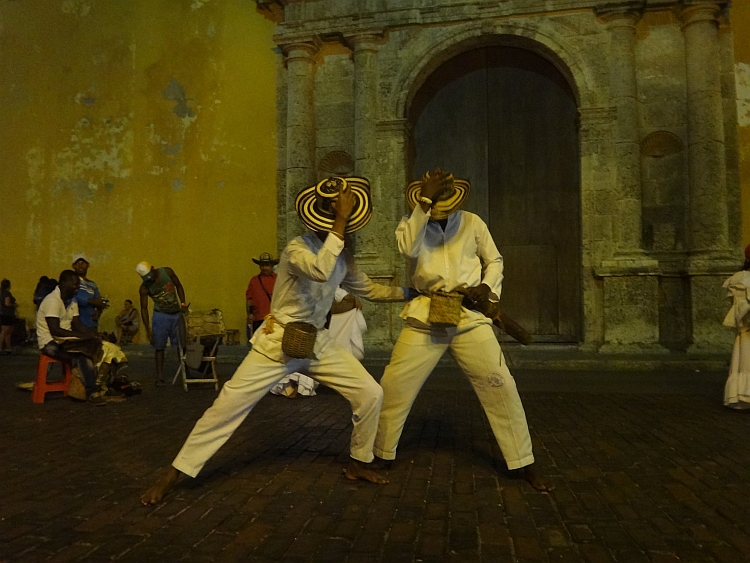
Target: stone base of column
<point x="709" y="304"/>
<point x="633" y="349"/>
<point x="631" y="308"/>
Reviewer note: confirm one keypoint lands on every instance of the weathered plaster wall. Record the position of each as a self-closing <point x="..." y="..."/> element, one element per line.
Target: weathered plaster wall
<point x="137" y="131"/>
<point x="741" y="14"/>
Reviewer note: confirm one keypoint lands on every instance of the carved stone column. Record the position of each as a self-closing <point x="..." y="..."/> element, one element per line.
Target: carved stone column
<point x="365" y="101"/>
<point x="300" y="125"/>
<point x="621" y="24"/>
<point x="710" y="254"/>
<point x="630" y="284"/>
<point x="707" y="155"/>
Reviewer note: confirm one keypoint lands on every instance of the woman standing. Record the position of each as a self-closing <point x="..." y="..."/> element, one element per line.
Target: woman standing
<point x="7" y="316"/>
<point x="737" y="388"/>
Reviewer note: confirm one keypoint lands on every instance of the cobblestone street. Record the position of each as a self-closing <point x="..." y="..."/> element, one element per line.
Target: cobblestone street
<point x="648" y="467"/>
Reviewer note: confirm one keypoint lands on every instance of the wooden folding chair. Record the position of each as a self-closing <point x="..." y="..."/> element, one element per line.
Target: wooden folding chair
<point x="200" y="326"/>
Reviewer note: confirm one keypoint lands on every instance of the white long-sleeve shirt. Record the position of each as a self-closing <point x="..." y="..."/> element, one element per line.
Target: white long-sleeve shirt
<point x="309" y="273"/>
<point x="463" y="254"/>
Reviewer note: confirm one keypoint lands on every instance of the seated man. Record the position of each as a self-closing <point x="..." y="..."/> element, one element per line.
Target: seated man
<point x="62" y="335"/>
<point x="127" y="323"/>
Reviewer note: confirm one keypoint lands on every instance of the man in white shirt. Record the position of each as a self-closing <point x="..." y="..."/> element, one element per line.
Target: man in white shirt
<point x="311" y="268"/>
<point x="58" y="318"/>
<point x="447" y="249"/>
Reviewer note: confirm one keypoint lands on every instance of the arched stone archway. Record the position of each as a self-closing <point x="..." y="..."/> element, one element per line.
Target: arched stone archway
<point x="505" y="117"/>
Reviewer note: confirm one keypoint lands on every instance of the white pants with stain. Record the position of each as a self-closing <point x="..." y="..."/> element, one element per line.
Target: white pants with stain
<point x="478" y="353"/>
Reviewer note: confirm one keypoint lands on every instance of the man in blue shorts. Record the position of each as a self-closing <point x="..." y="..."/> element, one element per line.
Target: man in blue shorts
<point x="165" y="289"/>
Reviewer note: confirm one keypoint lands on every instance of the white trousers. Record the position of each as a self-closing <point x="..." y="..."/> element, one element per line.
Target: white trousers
<point x="254" y="377"/>
<point x="478" y="353"/>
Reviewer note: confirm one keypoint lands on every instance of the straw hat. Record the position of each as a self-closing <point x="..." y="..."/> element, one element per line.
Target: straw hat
<point x="449" y="202"/>
<point x="313" y="204"/>
<point x="265" y="258"/>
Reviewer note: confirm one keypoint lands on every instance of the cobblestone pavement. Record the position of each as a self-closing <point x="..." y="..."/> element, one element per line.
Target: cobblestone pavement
<point x="648" y="467"/>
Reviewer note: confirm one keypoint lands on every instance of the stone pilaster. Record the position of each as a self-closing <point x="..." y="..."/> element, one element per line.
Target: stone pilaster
<point x="281" y="187"/>
<point x="709" y="248"/>
<point x="380" y="257"/>
<point x="300" y="124"/>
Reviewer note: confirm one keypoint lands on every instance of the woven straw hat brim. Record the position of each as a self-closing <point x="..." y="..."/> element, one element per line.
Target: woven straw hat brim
<point x="440" y="209"/>
<point x="259" y="262"/>
<point x="316" y="218"/>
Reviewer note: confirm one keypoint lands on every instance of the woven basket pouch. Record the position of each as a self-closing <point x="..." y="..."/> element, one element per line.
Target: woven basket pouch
<point x="445" y="308"/>
<point x="299" y="340"/>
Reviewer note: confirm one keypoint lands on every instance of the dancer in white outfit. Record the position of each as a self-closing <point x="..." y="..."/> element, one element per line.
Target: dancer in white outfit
<point x="310" y="270"/>
<point x="446" y="250"/>
<point x="737" y="388"/>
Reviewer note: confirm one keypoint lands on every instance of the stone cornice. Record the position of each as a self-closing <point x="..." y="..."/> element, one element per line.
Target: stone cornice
<point x="353" y="17"/>
<point x="394" y="126"/>
<point x="620" y="14"/>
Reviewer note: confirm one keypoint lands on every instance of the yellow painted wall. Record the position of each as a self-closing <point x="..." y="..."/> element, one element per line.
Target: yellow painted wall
<point x="98" y="154"/>
<point x="741" y="29"/>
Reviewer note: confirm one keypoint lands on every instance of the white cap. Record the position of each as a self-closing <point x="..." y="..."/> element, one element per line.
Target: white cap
<point x="77" y="257"/>
<point x="143" y="268"/>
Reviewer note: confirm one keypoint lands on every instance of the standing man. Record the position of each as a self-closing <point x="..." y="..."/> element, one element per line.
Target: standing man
<point x="58" y="318"/>
<point x="90" y="301"/>
<point x="310" y="270"/>
<point x="259" y="292"/>
<point x="447" y="249"/>
<point x="164" y="287"/>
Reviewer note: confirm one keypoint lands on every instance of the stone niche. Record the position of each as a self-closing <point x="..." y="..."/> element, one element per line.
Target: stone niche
<point x="653" y="84"/>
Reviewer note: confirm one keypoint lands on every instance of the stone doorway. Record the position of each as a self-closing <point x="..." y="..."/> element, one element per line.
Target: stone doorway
<point x="506" y="118"/>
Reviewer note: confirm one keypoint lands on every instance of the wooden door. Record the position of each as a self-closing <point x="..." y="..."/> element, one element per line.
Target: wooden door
<point x="505" y="118"/>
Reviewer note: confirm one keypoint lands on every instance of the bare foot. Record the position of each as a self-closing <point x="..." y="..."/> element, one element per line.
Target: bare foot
<point x="530" y="474"/>
<point x="358" y="471"/>
<point x="535" y="478"/>
<point x="156" y="492"/>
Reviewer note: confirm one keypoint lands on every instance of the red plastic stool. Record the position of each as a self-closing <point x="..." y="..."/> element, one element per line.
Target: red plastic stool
<point x="41" y="387"/>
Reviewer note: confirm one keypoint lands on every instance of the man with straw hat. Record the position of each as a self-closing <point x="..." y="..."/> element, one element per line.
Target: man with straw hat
<point x="451" y="255"/>
<point x="311" y="267"/>
<point x="259" y="292"/>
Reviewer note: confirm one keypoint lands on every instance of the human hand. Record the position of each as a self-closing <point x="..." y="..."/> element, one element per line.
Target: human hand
<point x="357" y="303"/>
<point x="99" y="302"/>
<point x="250" y="318"/>
<point x="150" y="335"/>
<point x="435" y="183"/>
<point x="344" y="203"/>
<point x="479" y="293"/>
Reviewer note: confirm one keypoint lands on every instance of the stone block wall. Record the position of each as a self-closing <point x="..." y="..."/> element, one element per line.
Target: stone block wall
<point x="660" y="217"/>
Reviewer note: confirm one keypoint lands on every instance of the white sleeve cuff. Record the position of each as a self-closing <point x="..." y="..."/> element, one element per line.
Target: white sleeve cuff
<point x="334" y="244"/>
